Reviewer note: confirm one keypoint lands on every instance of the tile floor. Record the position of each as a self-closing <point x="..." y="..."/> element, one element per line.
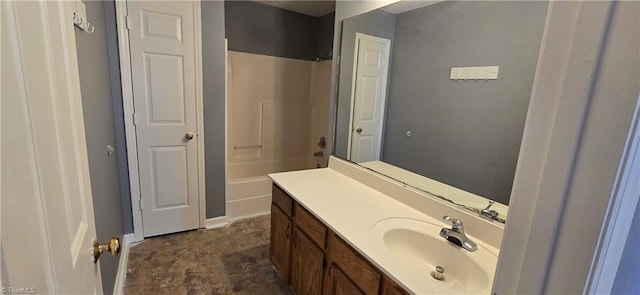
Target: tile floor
<point x="231" y="260"/>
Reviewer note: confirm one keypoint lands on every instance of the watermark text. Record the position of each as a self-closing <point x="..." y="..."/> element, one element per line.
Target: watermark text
<point x="20" y="290"/>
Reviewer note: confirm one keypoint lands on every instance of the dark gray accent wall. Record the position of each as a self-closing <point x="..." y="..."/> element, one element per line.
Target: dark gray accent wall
<point x="465" y="133"/>
<point x="325" y="34"/>
<point x="100" y="131"/>
<point x="262" y="29"/>
<point x="376" y="23"/>
<point x="213" y="67"/>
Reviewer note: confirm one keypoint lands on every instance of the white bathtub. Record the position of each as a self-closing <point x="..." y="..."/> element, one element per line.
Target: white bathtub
<point x="249" y="187"/>
<point x="248" y="197"/>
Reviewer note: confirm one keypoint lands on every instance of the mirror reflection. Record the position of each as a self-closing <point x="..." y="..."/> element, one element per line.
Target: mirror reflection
<point x="435" y="94"/>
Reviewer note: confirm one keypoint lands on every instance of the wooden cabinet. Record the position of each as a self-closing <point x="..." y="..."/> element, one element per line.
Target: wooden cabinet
<point x="280" y="246"/>
<point x="302" y="247"/>
<point x="307" y="265"/>
<point x="282" y="200"/>
<point x="338" y="283"/>
<point x="313" y="227"/>
<point x="363" y="274"/>
<point x="391" y="288"/>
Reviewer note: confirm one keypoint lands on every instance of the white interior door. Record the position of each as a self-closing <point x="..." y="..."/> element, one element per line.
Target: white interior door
<point x="47" y="208"/>
<point x="371" y="60"/>
<point x="163" y="70"/>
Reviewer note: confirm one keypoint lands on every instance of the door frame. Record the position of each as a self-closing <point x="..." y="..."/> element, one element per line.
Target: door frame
<point x="128" y="109"/>
<point x="546" y="194"/>
<point x="383" y="101"/>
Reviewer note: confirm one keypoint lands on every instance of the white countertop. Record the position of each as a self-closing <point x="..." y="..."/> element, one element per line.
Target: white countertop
<point x="351" y="209"/>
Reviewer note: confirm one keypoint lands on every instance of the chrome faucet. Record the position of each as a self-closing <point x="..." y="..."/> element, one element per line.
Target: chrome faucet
<point x="489" y="213"/>
<point x="456" y="235"/>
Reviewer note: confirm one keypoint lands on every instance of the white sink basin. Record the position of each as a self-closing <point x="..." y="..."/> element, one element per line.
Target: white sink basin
<point x="418" y="246"/>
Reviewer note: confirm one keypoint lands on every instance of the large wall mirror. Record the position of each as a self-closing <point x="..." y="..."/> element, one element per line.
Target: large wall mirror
<point x="435" y="94"/>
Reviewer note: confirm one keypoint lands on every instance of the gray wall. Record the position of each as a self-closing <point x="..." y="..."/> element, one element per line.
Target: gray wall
<point x="376" y="23"/>
<point x="98" y="112"/>
<point x="465" y="133"/>
<point x="325" y="34"/>
<point x="213" y="66"/>
<point x="262" y="29"/>
<point x="116" y="97"/>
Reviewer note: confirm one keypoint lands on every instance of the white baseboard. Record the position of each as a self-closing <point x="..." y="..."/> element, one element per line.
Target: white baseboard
<point x="216" y="222"/>
<point x="248" y="207"/>
<point x="121" y="276"/>
<point x="251" y="216"/>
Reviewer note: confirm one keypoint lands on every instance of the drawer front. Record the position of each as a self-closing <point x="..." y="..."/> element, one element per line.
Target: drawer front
<point x="315" y="230"/>
<point x="354" y="266"/>
<point x="282" y="200"/>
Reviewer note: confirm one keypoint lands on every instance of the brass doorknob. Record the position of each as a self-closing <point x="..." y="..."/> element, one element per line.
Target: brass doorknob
<point x="359" y="130"/>
<point x="113" y="247"/>
<point x="189" y="135"/>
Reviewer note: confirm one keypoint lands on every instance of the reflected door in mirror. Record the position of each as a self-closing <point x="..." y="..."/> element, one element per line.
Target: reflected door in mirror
<point x="368" y="97"/>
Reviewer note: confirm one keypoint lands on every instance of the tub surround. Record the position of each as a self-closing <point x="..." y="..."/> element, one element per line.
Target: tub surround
<point x="350" y="199"/>
<point x="278" y="111"/>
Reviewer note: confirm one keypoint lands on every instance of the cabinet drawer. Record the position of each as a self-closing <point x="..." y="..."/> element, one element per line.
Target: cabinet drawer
<point x="282" y="200"/>
<point x="354" y="266"/>
<point x="315" y="230"/>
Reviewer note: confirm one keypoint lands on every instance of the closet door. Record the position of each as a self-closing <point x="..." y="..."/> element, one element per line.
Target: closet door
<point x="165" y="73"/>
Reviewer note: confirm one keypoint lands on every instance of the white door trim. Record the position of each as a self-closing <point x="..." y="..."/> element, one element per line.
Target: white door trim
<point x="130" y="130"/>
<point x="548" y="199"/>
<point x="383" y="101"/>
<point x="227" y="103"/>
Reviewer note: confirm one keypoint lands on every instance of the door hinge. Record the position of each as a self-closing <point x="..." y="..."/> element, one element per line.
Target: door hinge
<point x="127" y="22"/>
<point x="140" y="203"/>
<point x="135" y="118"/>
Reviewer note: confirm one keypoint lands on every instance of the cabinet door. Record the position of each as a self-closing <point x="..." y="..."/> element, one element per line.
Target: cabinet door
<point x="391" y="288"/>
<point x="280" y="250"/>
<point x="337" y="283"/>
<point x="307" y="265"/>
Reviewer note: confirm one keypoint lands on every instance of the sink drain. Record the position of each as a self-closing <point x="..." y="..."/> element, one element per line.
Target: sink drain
<point x="438" y="274"/>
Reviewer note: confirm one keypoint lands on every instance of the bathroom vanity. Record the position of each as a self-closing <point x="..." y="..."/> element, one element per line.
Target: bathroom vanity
<point x="348" y="230"/>
<point x="303" y="249"/>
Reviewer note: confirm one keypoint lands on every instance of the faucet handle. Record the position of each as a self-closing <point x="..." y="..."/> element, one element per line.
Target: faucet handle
<point x="456" y="222"/>
<point x="491" y="202"/>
